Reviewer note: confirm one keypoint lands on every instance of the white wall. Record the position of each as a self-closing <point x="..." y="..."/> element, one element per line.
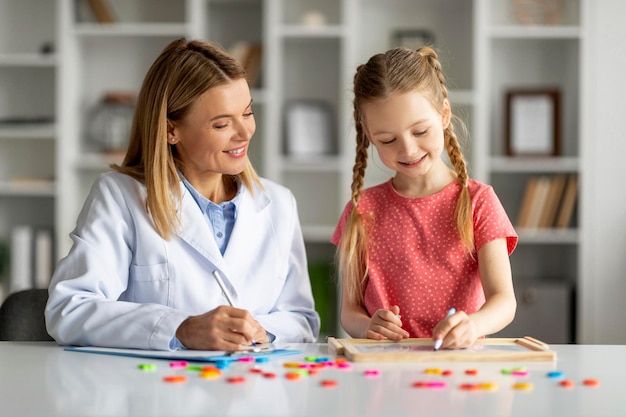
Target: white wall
<point x="603" y="257"/>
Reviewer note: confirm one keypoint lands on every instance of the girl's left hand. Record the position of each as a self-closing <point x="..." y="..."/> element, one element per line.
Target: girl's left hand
<point x="386" y="324"/>
<point x="458" y="331"/>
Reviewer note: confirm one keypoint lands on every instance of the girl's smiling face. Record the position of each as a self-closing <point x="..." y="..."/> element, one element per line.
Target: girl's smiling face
<point x="407" y="132"/>
<point x="213" y="137"/>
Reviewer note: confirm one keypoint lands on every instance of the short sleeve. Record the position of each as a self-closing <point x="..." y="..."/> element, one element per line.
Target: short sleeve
<point x="341" y="225"/>
<point x="491" y="221"/>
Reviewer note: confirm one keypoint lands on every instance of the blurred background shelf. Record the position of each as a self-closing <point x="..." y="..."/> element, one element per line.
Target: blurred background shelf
<point x="58" y="63"/>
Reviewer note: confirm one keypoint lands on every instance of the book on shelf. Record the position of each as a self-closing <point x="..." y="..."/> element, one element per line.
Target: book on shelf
<point x="21" y="258"/>
<point x="102" y="11"/>
<point x="31" y="256"/>
<point x="249" y="54"/>
<point x="42" y="257"/>
<point x="553" y="200"/>
<point x="566" y="211"/>
<point x="538" y="203"/>
<point x="527" y="202"/>
<point x="548" y="201"/>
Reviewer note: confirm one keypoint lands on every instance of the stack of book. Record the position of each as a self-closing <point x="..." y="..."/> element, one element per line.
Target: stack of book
<point x="548" y="202"/>
<point x="31" y="258"/>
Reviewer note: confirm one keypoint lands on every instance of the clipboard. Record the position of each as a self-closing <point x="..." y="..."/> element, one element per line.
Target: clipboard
<point x="187" y="355"/>
<point x="421" y="350"/>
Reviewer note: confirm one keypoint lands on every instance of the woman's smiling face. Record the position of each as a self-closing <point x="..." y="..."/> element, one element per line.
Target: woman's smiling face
<point x="215" y="134"/>
<point x="407" y="132"/>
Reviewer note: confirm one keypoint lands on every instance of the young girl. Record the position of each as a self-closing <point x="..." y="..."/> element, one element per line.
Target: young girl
<point x="429" y="239"/>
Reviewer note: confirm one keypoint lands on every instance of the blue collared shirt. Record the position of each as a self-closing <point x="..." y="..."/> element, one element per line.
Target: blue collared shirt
<point x="221" y="217"/>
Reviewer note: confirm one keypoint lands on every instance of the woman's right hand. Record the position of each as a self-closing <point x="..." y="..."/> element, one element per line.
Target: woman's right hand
<point x="224" y="328"/>
<point x="386" y="324"/>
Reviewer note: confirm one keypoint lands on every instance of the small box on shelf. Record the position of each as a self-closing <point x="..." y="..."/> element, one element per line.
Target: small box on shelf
<point x="308" y="128"/>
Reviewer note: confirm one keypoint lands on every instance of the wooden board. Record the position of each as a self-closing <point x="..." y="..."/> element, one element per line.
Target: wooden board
<point x="421" y="350"/>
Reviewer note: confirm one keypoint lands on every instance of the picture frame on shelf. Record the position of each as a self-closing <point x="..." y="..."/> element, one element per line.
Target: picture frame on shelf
<point x="532" y="122"/>
<point x="412" y="38"/>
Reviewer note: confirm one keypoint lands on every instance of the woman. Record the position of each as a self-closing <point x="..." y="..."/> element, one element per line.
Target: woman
<point x="184" y="206"/>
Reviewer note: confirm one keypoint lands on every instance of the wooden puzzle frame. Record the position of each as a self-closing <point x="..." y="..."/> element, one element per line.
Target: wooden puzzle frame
<point x="421" y="350"/>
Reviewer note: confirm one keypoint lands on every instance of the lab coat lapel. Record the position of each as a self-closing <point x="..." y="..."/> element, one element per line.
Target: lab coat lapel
<point x="249" y="216"/>
<point x="196" y="231"/>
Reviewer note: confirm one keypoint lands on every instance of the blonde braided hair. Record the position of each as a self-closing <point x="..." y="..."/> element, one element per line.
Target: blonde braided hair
<point x="397" y="71"/>
<point x="463" y="211"/>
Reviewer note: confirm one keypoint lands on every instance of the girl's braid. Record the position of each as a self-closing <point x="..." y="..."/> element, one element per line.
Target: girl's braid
<point x="453" y="147"/>
<point x="464" y="208"/>
<point x="360" y="161"/>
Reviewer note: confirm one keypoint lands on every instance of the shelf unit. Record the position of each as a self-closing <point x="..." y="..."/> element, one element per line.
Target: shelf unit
<point x="509" y="54"/>
<point x="302" y="60"/>
<point x="28" y="119"/>
<point x="98" y="58"/>
<point x="294" y="75"/>
<point x="483" y="50"/>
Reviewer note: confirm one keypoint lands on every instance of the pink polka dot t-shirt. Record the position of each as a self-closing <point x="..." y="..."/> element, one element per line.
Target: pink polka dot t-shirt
<point x="416" y="258"/>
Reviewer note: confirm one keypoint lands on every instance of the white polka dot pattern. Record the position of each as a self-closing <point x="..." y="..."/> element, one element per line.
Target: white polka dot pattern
<point x="416" y="258"/>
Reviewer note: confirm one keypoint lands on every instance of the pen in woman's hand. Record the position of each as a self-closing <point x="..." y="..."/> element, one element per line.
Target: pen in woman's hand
<point x="218" y="278"/>
<point x="229" y="298"/>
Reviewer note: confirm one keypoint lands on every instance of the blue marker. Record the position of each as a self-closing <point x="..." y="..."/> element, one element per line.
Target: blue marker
<point x="438" y="342"/>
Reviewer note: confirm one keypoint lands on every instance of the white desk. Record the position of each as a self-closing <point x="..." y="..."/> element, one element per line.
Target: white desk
<point x="41" y="379"/>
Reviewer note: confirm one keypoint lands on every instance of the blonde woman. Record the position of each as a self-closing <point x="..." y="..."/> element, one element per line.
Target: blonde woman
<point x="184" y="206"/>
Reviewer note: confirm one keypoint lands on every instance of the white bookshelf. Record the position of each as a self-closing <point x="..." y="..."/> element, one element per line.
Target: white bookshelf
<point x="97" y="58"/>
<point x="482" y="48"/>
<point x="29" y="67"/>
<point x="510" y="54"/>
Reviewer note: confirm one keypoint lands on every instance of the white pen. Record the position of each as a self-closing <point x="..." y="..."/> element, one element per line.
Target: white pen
<point x="218" y="278"/>
<point x="439" y="342"/>
<point x="226" y="293"/>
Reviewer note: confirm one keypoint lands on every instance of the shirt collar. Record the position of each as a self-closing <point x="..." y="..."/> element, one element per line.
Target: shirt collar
<point x="204" y="203"/>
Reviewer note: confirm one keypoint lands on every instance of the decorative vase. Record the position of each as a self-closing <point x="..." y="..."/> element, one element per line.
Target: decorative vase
<point x="110" y="122"/>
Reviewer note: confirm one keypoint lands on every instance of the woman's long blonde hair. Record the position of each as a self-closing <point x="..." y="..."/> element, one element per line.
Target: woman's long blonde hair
<point x="183" y="71"/>
<point x="397" y="71"/>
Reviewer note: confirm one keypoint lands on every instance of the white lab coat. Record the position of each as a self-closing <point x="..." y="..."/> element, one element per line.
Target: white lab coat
<point x="122" y="285"/>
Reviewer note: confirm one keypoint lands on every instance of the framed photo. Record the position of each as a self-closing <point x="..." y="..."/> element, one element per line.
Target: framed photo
<point x="533" y="122"/>
<point x="412" y="38"/>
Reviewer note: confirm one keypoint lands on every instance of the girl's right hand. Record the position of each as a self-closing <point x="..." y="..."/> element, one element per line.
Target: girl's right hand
<point x="386" y="324"/>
